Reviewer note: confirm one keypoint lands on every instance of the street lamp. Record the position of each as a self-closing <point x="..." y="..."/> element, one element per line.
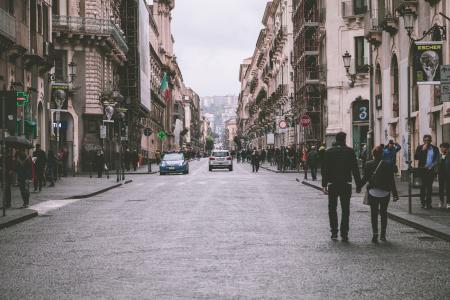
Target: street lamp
<point x="72" y="71"/>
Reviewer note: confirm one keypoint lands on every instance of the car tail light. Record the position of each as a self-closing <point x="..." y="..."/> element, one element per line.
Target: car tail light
<point x="229" y="158"/>
<point x="211" y="158"/>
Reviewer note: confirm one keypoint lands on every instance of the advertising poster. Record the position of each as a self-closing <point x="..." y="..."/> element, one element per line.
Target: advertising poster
<point x="427" y="62"/>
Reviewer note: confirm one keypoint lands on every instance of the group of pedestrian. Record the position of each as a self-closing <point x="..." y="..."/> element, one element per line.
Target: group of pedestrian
<point x="340" y="166"/>
<point x="40" y="168"/>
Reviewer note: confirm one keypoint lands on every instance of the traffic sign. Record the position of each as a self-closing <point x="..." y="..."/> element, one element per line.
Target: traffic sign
<point x="282" y="124"/>
<point x="162" y="135"/>
<point x="305" y="120"/>
<point x="148" y="131"/>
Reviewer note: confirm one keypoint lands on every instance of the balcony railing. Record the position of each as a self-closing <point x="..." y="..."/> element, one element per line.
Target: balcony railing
<point x="349" y="9"/>
<point x="90" y="26"/>
<point x="7" y="25"/>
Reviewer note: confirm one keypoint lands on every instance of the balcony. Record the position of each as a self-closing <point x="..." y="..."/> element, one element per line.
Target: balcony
<point x="22" y="35"/>
<point x="373" y="29"/>
<point x="90" y="26"/>
<point x="7" y="25"/>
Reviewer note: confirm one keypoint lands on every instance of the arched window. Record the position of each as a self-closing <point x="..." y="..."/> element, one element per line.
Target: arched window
<point x="394" y="86"/>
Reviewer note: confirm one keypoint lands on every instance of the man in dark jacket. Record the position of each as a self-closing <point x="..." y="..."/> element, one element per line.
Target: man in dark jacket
<point x="40" y="163"/>
<point x="428" y="157"/>
<point x="24" y="174"/>
<point x="444" y="176"/>
<point x="313" y="160"/>
<point x="339" y="165"/>
<point x="255" y="160"/>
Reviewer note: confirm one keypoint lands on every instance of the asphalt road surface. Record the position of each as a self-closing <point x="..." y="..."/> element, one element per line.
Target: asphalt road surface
<point x="214" y="235"/>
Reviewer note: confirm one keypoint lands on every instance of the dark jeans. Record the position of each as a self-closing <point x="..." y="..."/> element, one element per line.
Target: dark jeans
<point x="39" y="181"/>
<point x="379" y="206"/>
<point x="24" y="191"/>
<point x="313" y="172"/>
<point x="426" y="189"/>
<point x="343" y="191"/>
<point x="255" y="166"/>
<point x="444" y="188"/>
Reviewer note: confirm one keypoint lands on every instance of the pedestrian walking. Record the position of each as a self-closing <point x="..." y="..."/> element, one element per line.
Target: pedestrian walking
<point x="444" y="176"/>
<point x="255" y="157"/>
<point x="312" y="162"/>
<point x="428" y="157"/>
<point x="390" y="154"/>
<point x="40" y="162"/>
<point x="339" y="165"/>
<point x="99" y="163"/>
<point x="127" y="158"/>
<point x="134" y="159"/>
<point x="379" y="175"/>
<point x="305" y="162"/>
<point x="24" y="175"/>
<point x="52" y="165"/>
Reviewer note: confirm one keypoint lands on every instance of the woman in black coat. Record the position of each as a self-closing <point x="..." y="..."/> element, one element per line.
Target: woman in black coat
<point x="380" y="176"/>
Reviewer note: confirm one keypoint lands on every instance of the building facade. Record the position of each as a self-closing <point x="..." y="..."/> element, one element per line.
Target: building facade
<point x="266" y="97"/>
<point x="25" y="59"/>
<point x="393" y="87"/>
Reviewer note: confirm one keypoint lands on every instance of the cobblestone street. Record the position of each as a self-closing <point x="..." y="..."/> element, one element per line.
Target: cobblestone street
<point x="215" y="235"/>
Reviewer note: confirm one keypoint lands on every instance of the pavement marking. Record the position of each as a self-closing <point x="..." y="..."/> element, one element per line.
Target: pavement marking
<point x="47" y="206"/>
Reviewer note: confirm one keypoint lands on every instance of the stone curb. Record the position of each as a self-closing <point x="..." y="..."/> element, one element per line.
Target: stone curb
<point x="280" y="172"/>
<point x="13" y="220"/>
<point x="422" y="224"/>
<point x="98" y="192"/>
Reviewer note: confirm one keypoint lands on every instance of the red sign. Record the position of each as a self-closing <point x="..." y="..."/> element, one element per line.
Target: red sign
<point x="304" y="120"/>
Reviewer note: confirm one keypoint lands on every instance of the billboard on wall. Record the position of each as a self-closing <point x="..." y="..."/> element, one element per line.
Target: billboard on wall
<point x="427" y="62"/>
<point x="144" y="54"/>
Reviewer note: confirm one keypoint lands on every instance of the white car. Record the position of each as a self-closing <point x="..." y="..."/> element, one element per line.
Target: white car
<point x="221" y="159"/>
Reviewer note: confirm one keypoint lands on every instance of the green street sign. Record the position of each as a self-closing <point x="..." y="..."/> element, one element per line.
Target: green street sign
<point x="161" y="135"/>
<point x="22" y="98"/>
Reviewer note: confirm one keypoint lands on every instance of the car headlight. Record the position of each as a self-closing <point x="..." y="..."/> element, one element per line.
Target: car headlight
<point x="163" y="164"/>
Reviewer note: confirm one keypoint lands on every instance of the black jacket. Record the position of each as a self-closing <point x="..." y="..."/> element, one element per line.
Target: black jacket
<point x="339" y="165"/>
<point x="383" y="179"/>
<point x="421" y="156"/>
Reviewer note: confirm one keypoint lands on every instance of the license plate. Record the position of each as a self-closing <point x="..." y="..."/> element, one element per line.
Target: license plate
<point x="171" y="168"/>
<point x="221" y="159"/>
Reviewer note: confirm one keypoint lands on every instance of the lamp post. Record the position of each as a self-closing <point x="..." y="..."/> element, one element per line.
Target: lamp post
<point x="438" y="32"/>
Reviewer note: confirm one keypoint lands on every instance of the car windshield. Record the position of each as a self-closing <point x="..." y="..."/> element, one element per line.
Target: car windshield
<point x="220" y="154"/>
<point x="173" y="156"/>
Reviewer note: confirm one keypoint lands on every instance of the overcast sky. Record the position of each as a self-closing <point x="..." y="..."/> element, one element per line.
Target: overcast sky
<point x="212" y="37"/>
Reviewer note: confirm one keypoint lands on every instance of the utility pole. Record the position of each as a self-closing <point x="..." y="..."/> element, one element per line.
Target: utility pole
<point x="4" y="151"/>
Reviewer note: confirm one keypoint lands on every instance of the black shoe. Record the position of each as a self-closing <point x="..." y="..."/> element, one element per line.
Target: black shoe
<point x="375" y="238"/>
<point x="422" y="206"/>
<point x="383" y="238"/>
<point x="334" y="236"/>
<point x="344" y="237"/>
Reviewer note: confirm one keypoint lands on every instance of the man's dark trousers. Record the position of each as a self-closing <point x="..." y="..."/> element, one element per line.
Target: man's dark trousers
<point x="444" y="188"/>
<point x="343" y="191"/>
<point x="426" y="189"/>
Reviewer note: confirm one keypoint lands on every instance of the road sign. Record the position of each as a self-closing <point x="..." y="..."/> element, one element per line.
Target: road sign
<point x="282" y="124"/>
<point x="148" y="131"/>
<point x="22" y="98"/>
<point x="305" y="120"/>
<point x="162" y="135"/>
<point x="103" y="131"/>
<point x="445" y="83"/>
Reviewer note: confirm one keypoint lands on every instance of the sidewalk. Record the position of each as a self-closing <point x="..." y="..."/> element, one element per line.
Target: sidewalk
<point x="434" y="221"/>
<point x="66" y="188"/>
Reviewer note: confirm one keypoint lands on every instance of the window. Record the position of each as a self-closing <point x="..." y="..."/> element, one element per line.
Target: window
<point x="359" y="7"/>
<point x="395" y="86"/>
<point x="360" y="55"/>
<point x="60" y="65"/>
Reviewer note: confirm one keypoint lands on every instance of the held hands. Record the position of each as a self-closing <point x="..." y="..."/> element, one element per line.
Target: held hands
<point x="395" y="198"/>
<point x="358" y="189"/>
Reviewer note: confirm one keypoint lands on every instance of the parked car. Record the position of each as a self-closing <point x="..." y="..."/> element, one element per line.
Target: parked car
<point x="221" y="159"/>
<point x="173" y="163"/>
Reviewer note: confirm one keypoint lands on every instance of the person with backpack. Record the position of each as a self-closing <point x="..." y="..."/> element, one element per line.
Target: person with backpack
<point x="379" y="175"/>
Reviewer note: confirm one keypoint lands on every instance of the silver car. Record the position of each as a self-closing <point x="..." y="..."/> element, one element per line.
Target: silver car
<point x="221" y="159"/>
